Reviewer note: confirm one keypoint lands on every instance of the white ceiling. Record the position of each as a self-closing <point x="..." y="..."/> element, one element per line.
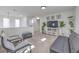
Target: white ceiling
<point x="32" y="10"/>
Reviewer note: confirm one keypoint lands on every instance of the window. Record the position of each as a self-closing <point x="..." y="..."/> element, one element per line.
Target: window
<point x="6" y="23"/>
<point x="17" y="23"/>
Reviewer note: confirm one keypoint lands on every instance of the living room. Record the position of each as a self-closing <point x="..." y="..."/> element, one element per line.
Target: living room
<point x="38" y="29"/>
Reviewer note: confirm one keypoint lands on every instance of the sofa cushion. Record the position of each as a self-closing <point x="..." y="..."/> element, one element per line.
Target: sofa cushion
<point x="74" y="42"/>
<point x="22" y="44"/>
<point x="26" y="35"/>
<point x="60" y="45"/>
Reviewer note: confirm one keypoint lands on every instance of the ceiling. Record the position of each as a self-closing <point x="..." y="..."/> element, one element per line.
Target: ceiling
<point x="32" y="10"/>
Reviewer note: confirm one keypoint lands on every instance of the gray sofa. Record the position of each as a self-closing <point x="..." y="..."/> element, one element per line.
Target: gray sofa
<point x="66" y="44"/>
<point x="21" y="47"/>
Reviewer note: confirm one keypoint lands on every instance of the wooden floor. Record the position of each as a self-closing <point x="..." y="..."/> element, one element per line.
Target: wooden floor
<point x="2" y="50"/>
<point x="42" y="43"/>
<point x="42" y="46"/>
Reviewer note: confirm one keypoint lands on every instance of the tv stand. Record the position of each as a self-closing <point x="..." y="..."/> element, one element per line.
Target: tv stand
<point x="52" y="31"/>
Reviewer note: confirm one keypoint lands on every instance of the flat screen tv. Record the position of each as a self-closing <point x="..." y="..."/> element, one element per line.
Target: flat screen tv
<point x="53" y="24"/>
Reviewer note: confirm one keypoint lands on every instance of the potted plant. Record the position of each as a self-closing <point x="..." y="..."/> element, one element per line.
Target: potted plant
<point x="71" y="23"/>
<point x="43" y="26"/>
<point x="62" y="24"/>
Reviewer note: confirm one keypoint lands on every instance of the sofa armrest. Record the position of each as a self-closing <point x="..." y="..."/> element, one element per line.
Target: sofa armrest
<point x="26" y="35"/>
<point x="23" y="48"/>
<point x="60" y="45"/>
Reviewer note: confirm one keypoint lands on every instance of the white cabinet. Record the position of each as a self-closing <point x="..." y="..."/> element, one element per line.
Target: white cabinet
<point x="53" y="31"/>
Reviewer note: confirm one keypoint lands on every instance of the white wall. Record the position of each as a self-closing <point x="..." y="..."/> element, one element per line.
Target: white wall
<point x="1" y="22"/>
<point x="23" y="22"/>
<point x="12" y="21"/>
<point x="64" y="17"/>
<point x="77" y="20"/>
<point x="42" y="19"/>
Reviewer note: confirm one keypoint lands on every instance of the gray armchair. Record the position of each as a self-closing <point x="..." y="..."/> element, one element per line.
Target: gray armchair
<point x="66" y="44"/>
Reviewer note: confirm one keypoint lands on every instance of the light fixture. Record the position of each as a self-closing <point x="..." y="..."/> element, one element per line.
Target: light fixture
<point x="14" y="13"/>
<point x="43" y="7"/>
<point x="37" y="18"/>
<point x="8" y="14"/>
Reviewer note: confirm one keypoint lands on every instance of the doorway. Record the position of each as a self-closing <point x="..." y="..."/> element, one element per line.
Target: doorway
<point x="37" y="26"/>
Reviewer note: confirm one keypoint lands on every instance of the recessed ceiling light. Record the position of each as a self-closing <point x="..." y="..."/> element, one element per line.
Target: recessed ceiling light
<point x="43" y="7"/>
<point x="37" y="18"/>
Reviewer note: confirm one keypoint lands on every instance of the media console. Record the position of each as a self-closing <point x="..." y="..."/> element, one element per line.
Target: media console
<point x="52" y="31"/>
<point x="53" y="24"/>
